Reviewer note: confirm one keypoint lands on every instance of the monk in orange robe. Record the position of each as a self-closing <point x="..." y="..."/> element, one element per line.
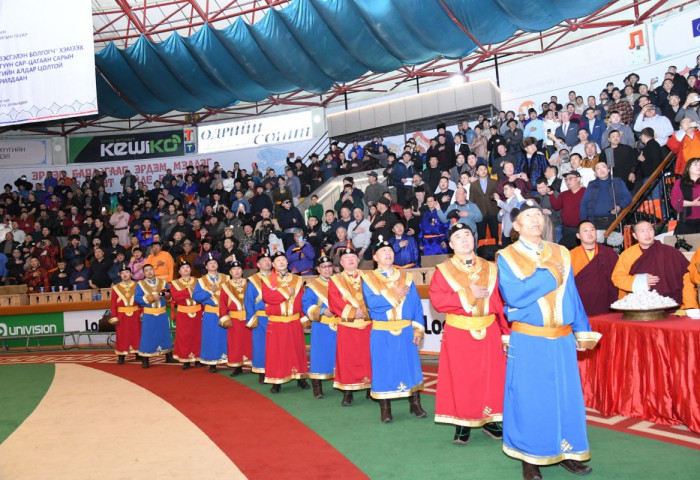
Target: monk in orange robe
<point x="650" y="265"/>
<point x="593" y="265"/>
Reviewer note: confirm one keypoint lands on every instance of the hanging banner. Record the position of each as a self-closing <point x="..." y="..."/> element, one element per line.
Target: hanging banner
<point x="47" y="61"/>
<point x="132" y="146"/>
<point x="260" y="131"/>
<point x="25" y="152"/>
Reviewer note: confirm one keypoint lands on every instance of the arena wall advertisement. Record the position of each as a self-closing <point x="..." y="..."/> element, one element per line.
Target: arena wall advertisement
<point x="148" y="170"/>
<point x="25" y="152"/>
<point x="47" y="61"/>
<point x="130" y="146"/>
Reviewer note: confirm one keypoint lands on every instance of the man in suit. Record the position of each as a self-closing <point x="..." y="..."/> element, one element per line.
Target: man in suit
<point x="568" y="130"/>
<point x="481" y="193"/>
<point x="593" y="126"/>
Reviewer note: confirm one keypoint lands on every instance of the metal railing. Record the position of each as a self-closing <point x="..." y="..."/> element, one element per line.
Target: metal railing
<point x="657" y="211"/>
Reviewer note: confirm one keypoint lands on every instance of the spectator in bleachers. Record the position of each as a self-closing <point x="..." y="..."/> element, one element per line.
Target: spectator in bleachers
<point x="685" y="143"/>
<point x="622" y="107"/>
<point x="374" y="190"/>
<point x="649" y="119"/>
<point x="359" y="234"/>
<point x="513" y="136"/>
<point x="36" y="277"/>
<point x="46" y="253"/>
<point x="685" y="195"/>
<point x="136" y="263"/>
<point x="301" y="255"/>
<point x="328" y="168"/>
<point x="384" y="221"/>
<point x="60" y="277"/>
<point x="347" y="199"/>
<point x="79" y="279"/>
<point x="406" y="253"/>
<point x="623" y="160"/>
<point x="481" y="194"/>
<point x="402" y="173"/>
<point x="627" y="136"/>
<point x="433" y="228"/>
<point x="15" y="267"/>
<point x="463" y="210"/>
<point x="338" y="247"/>
<point x="444" y="194"/>
<point x="510" y="202"/>
<point x="9" y="244"/>
<point x="289" y="217"/>
<point x="531" y="163"/>
<point x="604" y="198"/>
<point x="98" y="272"/>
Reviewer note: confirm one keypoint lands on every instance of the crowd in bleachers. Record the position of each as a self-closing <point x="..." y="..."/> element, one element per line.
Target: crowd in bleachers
<point x="64" y="234"/>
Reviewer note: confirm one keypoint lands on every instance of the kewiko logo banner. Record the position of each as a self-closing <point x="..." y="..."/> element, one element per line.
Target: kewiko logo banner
<point x="132" y="146"/>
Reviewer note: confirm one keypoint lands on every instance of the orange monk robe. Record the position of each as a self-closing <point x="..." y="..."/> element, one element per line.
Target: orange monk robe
<point x="163" y="265"/>
<point x="691" y="281"/>
<point x="661" y="260"/>
<point x="592" y="275"/>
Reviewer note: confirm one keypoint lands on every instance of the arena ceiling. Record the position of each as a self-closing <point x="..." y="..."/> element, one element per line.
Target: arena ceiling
<point x="525" y="28"/>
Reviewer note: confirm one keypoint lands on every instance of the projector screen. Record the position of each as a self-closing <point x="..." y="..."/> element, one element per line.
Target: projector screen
<point x="47" y="60"/>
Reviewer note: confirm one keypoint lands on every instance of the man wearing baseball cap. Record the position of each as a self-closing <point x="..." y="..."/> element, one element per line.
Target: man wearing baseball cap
<point x="324" y="326"/>
<point x="544" y="418"/>
<point x="353" y="368"/>
<point x="397" y="328"/>
<point x="472" y="365"/>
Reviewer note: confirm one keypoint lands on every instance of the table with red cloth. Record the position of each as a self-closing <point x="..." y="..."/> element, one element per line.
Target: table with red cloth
<point x="648" y="370"/>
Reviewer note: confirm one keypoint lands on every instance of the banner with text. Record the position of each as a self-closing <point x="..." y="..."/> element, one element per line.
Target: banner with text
<point x="132" y="146"/>
<point x="434" y="324"/>
<point x="257" y="132"/>
<point x="47" y="61"/>
<point x="25" y="152"/>
<point x="151" y="169"/>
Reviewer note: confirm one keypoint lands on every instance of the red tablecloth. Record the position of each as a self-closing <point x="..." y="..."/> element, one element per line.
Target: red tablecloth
<point x="648" y="370"/>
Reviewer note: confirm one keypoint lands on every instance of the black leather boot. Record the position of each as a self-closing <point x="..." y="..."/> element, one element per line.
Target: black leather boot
<point x="275" y="388"/>
<point x="120" y="359"/>
<point x="261" y="378"/>
<point x="462" y="435"/>
<point x="186" y="366"/>
<point x="416" y="409"/>
<point x="576" y="467"/>
<point x="318" y="388"/>
<point x="531" y="472"/>
<point x="169" y="358"/>
<point x="144" y="362"/>
<point x="236" y="371"/>
<point x="303" y="384"/>
<point x="347" y="398"/>
<point x="493" y="430"/>
<point x="385" y="409"/>
<point x="212" y="368"/>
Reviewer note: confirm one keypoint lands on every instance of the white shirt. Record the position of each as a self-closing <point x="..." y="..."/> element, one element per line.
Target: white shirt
<point x="360" y="240"/>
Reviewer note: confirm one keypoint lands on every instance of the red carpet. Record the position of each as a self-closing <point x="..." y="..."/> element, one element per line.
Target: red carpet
<point x="239" y="421"/>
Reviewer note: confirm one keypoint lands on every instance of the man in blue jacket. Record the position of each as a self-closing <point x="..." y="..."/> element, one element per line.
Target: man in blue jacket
<point x="604" y="198"/>
<point x="406" y="253"/>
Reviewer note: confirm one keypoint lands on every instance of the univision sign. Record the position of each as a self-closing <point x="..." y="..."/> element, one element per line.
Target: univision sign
<point x="19" y="330"/>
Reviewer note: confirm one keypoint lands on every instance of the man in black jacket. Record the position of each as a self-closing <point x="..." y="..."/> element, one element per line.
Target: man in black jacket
<point x="622" y="159"/>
